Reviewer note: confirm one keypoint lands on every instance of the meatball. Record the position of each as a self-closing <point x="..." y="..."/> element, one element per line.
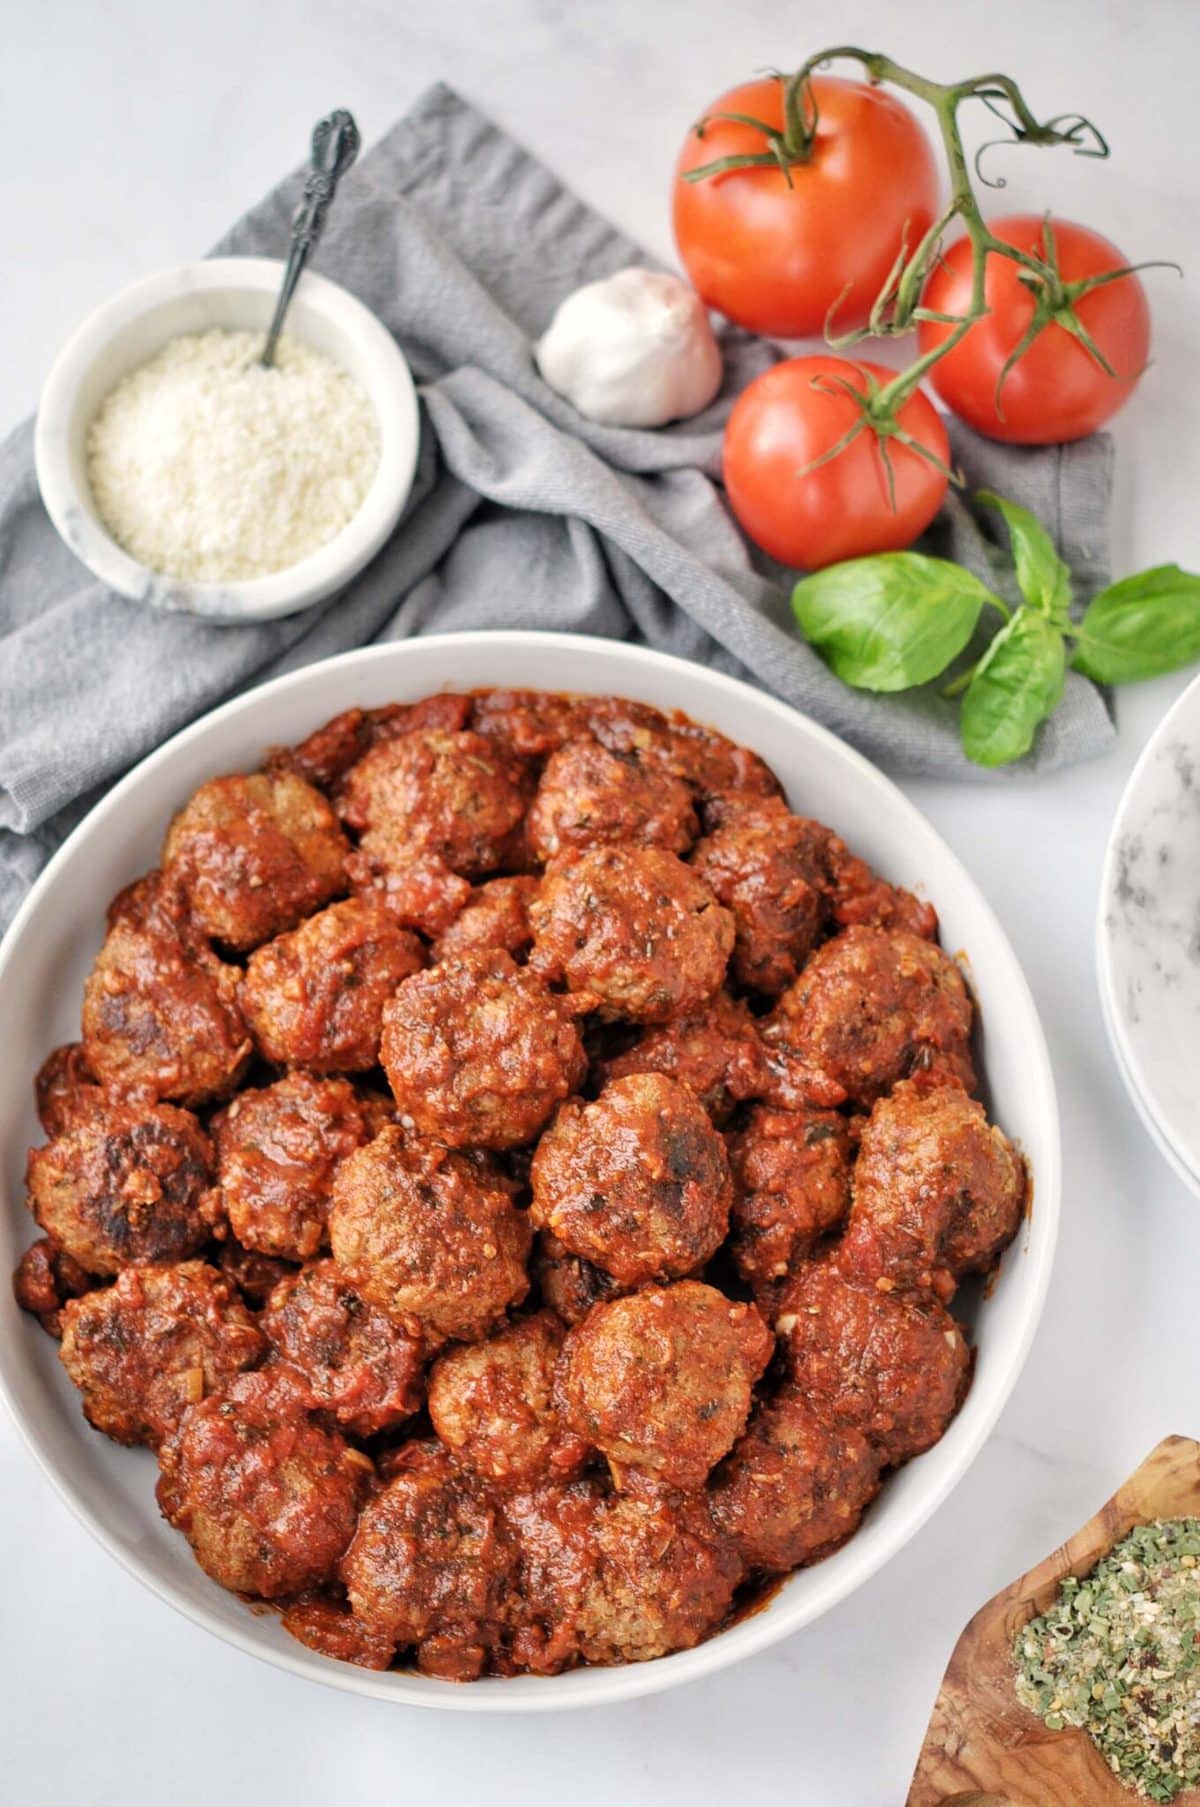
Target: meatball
<point x="938" y="1191"/>
<point x="160" y="1011"/>
<point x="430" y="1235"/>
<point x="791" y="1173"/>
<point x="267" y="1499"/>
<point x="704" y="759"/>
<point x="361" y="1368"/>
<point x="660" y="1381"/>
<point x="632" y="930"/>
<point x="46" y="1278"/>
<point x="451" y="795"/>
<point x="859" y="895"/>
<point x="615" y="1578"/>
<point x="132" y="1183"/>
<point x="637" y="1183"/>
<point x="793" y="1487"/>
<point x="715" y="1051"/>
<point x="255" y="852"/>
<point x="158" y="1340"/>
<point x="588" y="795"/>
<point x="494" y="917"/>
<point x="478" y="1051"/>
<point x="871" y="1007"/>
<point x="430" y="1565"/>
<point x="278" y="1151"/>
<point x="330" y="750"/>
<point x="894" y="1367"/>
<point x="529" y="723"/>
<point x="322" y="1621"/>
<point x="66" y="1090"/>
<point x="768" y="867"/>
<point x="492" y="1405"/>
<point x="566" y="1283"/>
<point x="314" y="998"/>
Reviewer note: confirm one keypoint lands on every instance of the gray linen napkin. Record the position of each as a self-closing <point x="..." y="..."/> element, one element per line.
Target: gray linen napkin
<point x="523" y="514"/>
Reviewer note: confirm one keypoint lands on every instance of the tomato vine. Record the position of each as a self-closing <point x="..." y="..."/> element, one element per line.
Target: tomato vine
<point x="898" y="308"/>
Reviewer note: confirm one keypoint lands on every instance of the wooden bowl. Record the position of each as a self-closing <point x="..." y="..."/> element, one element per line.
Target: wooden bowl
<point x="983" y="1748"/>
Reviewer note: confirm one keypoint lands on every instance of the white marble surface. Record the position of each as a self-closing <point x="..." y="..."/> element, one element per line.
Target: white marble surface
<point x="133" y="133"/>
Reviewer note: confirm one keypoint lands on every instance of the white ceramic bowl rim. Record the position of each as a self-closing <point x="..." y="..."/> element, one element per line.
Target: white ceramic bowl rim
<point x="390" y="391"/>
<point x="1131" y="1064"/>
<point x="560" y="661"/>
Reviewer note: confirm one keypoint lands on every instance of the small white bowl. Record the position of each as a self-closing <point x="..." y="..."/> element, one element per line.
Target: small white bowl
<point x="237" y="293"/>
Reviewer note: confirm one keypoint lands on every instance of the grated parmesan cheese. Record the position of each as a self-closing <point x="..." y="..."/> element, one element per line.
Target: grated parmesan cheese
<point x="206" y="467"/>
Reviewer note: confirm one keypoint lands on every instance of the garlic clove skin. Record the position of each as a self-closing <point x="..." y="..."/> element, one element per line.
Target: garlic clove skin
<point x="633" y="350"/>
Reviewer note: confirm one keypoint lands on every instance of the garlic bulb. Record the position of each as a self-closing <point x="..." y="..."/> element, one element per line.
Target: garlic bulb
<point x="635" y="350"/>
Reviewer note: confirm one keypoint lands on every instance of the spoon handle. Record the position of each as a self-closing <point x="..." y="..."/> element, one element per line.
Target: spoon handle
<point x="335" y="143"/>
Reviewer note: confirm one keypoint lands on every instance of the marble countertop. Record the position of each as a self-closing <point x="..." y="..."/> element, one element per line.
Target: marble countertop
<point x="142" y="130"/>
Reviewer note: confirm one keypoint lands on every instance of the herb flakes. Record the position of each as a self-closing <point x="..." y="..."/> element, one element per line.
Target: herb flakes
<point x="1118" y="1655"/>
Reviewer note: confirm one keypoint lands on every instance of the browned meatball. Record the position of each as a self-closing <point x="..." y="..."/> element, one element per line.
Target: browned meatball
<point x="419" y="889"/>
<point x="322" y="1621"/>
<point x="637" y="1182"/>
<point x="566" y="1283"/>
<point x="588" y="795"/>
<point x="660" y="1381"/>
<point x="428" y="1234"/>
<point x="478" y="1051"/>
<point x="46" y="1278"/>
<point x="494" y="917"/>
<point x="529" y="723"/>
<point x="430" y="1565"/>
<point x="255" y="852"/>
<point x="894" y="1367"/>
<point x="314" y="998"/>
<point x="492" y="1404"/>
<point x="333" y="748"/>
<point x="453" y="796"/>
<point x="132" y="1183"/>
<point x="160" y="1011"/>
<point x="278" y="1151"/>
<point x="938" y="1191"/>
<point x="703" y="758"/>
<point x="793" y="1487"/>
<point x="859" y="895"/>
<point x="66" y="1089"/>
<point x="769" y="868"/>
<point x="871" y="1007"/>
<point x="615" y="1578"/>
<point x="633" y="931"/>
<point x="791" y="1172"/>
<point x="158" y="1340"/>
<point x="715" y="1051"/>
<point x="361" y="1367"/>
<point x="267" y="1499"/>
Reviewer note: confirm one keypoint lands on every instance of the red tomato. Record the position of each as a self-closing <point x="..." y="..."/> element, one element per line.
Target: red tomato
<point x="1056" y="390"/>
<point x="775" y="259"/>
<point x="843" y="509"/>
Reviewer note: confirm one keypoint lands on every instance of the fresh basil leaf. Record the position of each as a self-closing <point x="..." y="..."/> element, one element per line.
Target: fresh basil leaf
<point x="1043" y="578"/>
<point x="1017" y="683"/>
<point x="1140" y="627"/>
<point x="892" y="621"/>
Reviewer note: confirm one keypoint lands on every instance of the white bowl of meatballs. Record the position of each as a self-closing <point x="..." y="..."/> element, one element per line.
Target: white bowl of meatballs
<point x="536" y="1198"/>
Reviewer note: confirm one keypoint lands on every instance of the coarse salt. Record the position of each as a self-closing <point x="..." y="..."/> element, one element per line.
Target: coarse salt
<point x="207" y="467"/>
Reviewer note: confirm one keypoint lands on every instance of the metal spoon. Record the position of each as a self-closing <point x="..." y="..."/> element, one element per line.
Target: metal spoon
<point x="335" y="143"/>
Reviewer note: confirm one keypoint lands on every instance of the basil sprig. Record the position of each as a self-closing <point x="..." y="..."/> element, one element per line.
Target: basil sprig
<point x="901" y="619"/>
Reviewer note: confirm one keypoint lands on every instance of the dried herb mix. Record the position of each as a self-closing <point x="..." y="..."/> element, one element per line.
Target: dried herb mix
<point x="1118" y="1654"/>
